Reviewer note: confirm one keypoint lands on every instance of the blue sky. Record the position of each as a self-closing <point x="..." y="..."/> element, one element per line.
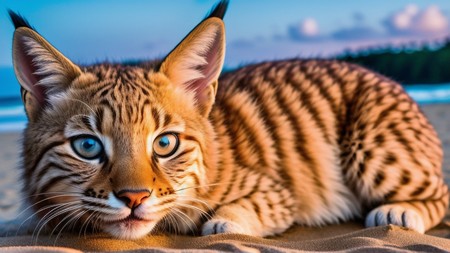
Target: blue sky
<point x="92" y="31"/>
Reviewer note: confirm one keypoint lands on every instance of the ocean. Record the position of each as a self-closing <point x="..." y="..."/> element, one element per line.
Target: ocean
<point x="13" y="118"/>
<point x="12" y="115"/>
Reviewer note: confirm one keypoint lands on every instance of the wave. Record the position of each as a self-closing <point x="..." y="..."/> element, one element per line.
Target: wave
<point x="12" y="118"/>
<point x="429" y="94"/>
<point x="12" y="111"/>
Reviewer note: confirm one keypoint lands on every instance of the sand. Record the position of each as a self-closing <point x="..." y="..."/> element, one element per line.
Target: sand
<point x="439" y="116"/>
<point x="391" y="237"/>
<point x="9" y="175"/>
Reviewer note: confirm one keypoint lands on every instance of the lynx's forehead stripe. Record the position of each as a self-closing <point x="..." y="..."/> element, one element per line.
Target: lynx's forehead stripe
<point x="123" y="102"/>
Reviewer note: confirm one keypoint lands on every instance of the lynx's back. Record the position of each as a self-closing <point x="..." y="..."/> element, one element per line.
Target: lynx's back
<point x="339" y="138"/>
<point x="173" y="146"/>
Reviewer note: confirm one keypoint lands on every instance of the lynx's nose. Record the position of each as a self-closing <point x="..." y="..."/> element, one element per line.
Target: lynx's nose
<point x="133" y="198"/>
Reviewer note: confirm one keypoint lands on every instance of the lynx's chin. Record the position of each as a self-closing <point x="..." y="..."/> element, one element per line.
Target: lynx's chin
<point x="130" y="228"/>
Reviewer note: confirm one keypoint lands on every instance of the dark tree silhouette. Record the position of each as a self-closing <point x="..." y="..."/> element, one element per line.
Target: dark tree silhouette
<point x="412" y="63"/>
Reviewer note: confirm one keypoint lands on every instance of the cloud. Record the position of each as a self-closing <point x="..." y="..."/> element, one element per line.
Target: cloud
<point x="308" y="29"/>
<point x="423" y="23"/>
<point x="307" y="38"/>
<point x="413" y="21"/>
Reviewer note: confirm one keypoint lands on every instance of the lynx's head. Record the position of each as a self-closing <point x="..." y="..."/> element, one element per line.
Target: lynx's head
<point x="119" y="148"/>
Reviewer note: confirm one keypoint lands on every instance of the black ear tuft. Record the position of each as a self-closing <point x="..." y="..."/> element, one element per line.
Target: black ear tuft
<point x="219" y="10"/>
<point x="18" y="20"/>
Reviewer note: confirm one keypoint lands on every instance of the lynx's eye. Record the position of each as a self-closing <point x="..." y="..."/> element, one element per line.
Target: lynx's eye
<point x="87" y="147"/>
<point x="166" y="144"/>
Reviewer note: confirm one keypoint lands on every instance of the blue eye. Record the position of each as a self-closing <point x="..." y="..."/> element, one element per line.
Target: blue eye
<point x="166" y="144"/>
<point x="87" y="147"/>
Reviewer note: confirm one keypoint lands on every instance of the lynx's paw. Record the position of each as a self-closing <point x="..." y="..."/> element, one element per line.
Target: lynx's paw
<point x="396" y="215"/>
<point x="223" y="226"/>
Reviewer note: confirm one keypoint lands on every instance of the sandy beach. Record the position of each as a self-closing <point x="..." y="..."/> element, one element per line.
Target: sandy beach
<point x="9" y="176"/>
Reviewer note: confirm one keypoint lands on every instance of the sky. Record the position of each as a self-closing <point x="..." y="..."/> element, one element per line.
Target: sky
<point x="93" y="31"/>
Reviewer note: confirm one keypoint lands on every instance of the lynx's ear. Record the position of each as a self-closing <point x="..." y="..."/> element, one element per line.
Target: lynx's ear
<point x="40" y="69"/>
<point x="195" y="64"/>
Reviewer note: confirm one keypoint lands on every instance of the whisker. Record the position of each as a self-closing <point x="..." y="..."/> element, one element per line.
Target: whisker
<point x="41" y="210"/>
<point x="70" y="217"/>
<point x="194" y="208"/>
<point x="171" y="223"/>
<point x="51" y="215"/>
<point x="189" y="225"/>
<point x="43" y="200"/>
<point x="75" y="222"/>
<point x="202" y="202"/>
<point x="200" y="186"/>
<point x="67" y="210"/>
<point x="86" y="223"/>
<point x="72" y="221"/>
<point x="27" y="198"/>
<point x="96" y="224"/>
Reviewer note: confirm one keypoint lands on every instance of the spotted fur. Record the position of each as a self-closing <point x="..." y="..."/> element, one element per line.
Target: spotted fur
<point x="261" y="148"/>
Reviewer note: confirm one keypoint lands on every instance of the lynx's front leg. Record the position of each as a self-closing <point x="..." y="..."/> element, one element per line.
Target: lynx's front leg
<point x="262" y="213"/>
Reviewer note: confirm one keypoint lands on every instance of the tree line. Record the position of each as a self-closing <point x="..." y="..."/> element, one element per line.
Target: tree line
<point x="409" y="64"/>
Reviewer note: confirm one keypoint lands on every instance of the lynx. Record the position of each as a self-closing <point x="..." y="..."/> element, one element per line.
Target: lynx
<point x="174" y="145"/>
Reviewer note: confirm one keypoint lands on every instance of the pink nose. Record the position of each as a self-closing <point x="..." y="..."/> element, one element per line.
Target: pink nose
<point x="133" y="198"/>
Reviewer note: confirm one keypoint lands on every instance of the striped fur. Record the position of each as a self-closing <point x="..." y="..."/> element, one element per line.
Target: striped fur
<point x="266" y="146"/>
